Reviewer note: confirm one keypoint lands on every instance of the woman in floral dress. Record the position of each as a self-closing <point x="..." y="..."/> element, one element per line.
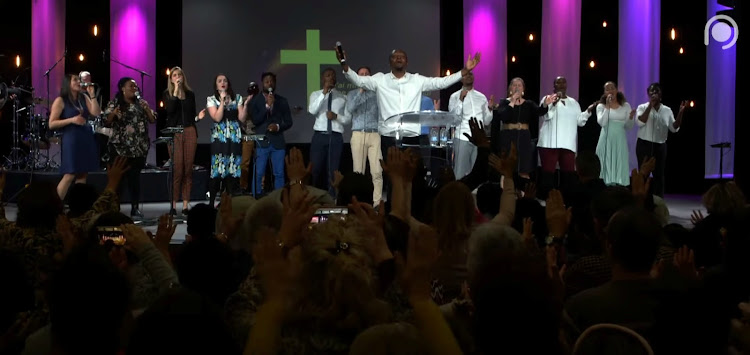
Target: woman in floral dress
<point x="129" y="117"/>
<point x="227" y="111"/>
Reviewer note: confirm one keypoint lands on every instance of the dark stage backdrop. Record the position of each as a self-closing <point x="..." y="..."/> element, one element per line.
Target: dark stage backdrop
<point x="296" y="40"/>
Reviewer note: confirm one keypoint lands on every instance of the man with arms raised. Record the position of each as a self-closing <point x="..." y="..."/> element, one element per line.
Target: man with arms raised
<point x="400" y="91"/>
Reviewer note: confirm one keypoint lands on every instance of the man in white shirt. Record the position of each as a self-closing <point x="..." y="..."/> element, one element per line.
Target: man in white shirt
<point x="655" y="121"/>
<point x="467" y="103"/>
<point x="558" y="139"/>
<point x="399" y="91"/>
<point x="328" y="108"/>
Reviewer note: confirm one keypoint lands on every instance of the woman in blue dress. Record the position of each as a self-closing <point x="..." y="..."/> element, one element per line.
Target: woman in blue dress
<point x="69" y="114"/>
<point x="227" y="110"/>
<point x="615" y="116"/>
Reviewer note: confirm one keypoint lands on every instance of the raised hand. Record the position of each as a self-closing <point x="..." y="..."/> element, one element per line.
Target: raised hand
<point x="421" y="254"/>
<point x="530" y="191"/>
<point x="372" y="221"/>
<point x="295" y="165"/>
<point x="492" y="104"/>
<point x="276" y="271"/>
<point x="202" y="114"/>
<point x="507" y="162"/>
<point x="297" y="215"/>
<point x="696" y="217"/>
<point x="400" y="165"/>
<point x="648" y="166"/>
<point x="229" y="223"/>
<point x="684" y="262"/>
<point x="639" y="185"/>
<point x="478" y="136"/>
<point x="337" y="178"/>
<point x="164" y="232"/>
<point x="116" y="171"/>
<point x="683" y="105"/>
<point x="549" y="99"/>
<point x="471" y="63"/>
<point x="558" y="218"/>
<point x="135" y="237"/>
<point x="528" y="233"/>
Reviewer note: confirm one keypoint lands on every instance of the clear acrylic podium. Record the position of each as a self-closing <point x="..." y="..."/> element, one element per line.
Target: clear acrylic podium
<point x="433" y="131"/>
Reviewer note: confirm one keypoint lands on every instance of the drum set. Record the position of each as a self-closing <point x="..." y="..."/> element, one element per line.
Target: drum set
<point x="31" y="137"/>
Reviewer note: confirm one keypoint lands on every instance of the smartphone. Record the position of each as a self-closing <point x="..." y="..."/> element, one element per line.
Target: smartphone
<point x="111" y="234"/>
<point x="322" y="214"/>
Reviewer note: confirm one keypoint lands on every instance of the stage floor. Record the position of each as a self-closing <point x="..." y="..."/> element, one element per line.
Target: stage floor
<point x="680" y="208"/>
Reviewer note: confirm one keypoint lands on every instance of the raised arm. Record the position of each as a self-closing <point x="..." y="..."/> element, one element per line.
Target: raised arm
<point x="215" y="111"/>
<point x="674" y="124"/>
<point x="93" y="104"/>
<point x="241" y="112"/>
<point x="433" y="84"/>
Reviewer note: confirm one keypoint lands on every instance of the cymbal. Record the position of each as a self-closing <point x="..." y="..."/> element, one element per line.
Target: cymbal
<point x="40" y="101"/>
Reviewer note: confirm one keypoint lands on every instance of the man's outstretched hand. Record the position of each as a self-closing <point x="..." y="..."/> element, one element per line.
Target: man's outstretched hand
<point x="471" y="63"/>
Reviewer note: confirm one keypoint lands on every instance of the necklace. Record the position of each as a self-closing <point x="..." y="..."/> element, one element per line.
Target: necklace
<point x="77" y="104"/>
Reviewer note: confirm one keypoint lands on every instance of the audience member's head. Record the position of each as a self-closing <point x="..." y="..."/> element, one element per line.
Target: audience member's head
<point x="266" y="212"/>
<point x="723" y="199"/>
<point x="588" y="166"/>
<point x="677" y="235"/>
<point x="201" y="222"/>
<point x="181" y="322"/>
<point x="607" y="203"/>
<point x="515" y="302"/>
<point x="38" y="206"/>
<point x="633" y="238"/>
<point x="389" y="339"/>
<point x="357" y="185"/>
<point x="611" y="339"/>
<point x="88" y="302"/>
<point x="81" y="198"/>
<point x="207" y="267"/>
<point x="453" y="215"/>
<point x="336" y="285"/>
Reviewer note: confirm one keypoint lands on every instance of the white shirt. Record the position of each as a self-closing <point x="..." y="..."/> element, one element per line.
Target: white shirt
<point x="402" y="95"/>
<point x="474" y="105"/>
<point x="604" y="115"/>
<point x="559" y="128"/>
<point x="659" y="123"/>
<point x="319" y="108"/>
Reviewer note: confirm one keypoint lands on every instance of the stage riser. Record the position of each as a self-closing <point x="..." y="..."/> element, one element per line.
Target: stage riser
<point x="155" y="185"/>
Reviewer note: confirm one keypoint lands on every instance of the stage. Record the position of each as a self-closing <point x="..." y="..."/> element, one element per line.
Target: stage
<point x="155" y="183"/>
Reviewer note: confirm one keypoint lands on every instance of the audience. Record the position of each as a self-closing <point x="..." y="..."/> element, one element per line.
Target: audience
<point x="446" y="266"/>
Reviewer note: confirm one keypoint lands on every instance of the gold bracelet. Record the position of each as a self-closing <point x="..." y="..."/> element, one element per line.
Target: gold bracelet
<point x="295" y="182"/>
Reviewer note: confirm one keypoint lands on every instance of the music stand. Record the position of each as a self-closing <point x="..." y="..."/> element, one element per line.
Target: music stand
<point x="257" y="138"/>
<point x="409" y="124"/>
<point x="721" y="147"/>
<point x="170" y="141"/>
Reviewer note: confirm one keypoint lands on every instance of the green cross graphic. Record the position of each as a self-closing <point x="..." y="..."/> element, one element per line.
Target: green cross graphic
<point x="313" y="57"/>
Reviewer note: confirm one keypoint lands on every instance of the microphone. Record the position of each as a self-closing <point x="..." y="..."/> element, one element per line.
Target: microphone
<point x="559" y="95"/>
<point x="84" y="84"/>
<point x="104" y="55"/>
<point x="341" y="51"/>
<point x="138" y="95"/>
<point x="270" y="91"/>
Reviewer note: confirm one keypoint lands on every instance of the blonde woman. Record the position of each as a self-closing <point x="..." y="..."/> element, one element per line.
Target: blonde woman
<point x="181" y="112"/>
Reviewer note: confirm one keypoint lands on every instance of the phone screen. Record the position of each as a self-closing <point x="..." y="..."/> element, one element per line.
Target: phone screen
<point x="113" y="234"/>
<point x="322" y="214"/>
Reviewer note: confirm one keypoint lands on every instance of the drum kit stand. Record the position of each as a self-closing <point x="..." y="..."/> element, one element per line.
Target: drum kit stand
<point x="37" y="138"/>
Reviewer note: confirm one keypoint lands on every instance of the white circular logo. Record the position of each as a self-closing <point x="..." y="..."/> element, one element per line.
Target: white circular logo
<point x="721" y="32"/>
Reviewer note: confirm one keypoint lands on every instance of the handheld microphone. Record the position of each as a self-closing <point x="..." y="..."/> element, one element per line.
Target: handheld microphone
<point x="270" y="91"/>
<point x="341" y="51"/>
<point x="559" y="95"/>
<point x="104" y="55"/>
<point x="138" y="95"/>
<point x="84" y="84"/>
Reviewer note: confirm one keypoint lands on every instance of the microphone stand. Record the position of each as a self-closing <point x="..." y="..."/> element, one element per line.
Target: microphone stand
<point x="46" y="76"/>
<point x="141" y="72"/>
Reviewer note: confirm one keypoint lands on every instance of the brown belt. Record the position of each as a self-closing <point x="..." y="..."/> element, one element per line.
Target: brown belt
<point x="516" y="126"/>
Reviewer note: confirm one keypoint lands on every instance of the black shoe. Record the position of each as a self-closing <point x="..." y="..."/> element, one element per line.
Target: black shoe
<point x="185" y="212"/>
<point x="136" y="213"/>
<point x="172" y="212"/>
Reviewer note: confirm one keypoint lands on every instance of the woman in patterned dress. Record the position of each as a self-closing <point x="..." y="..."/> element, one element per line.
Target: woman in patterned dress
<point x="227" y="110"/>
<point x="129" y="117"/>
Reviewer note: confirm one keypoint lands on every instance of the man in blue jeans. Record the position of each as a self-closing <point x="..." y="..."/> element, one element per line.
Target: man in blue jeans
<point x="271" y="115"/>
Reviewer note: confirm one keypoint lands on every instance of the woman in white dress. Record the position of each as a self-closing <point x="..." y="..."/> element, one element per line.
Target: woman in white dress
<point x="615" y="116"/>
